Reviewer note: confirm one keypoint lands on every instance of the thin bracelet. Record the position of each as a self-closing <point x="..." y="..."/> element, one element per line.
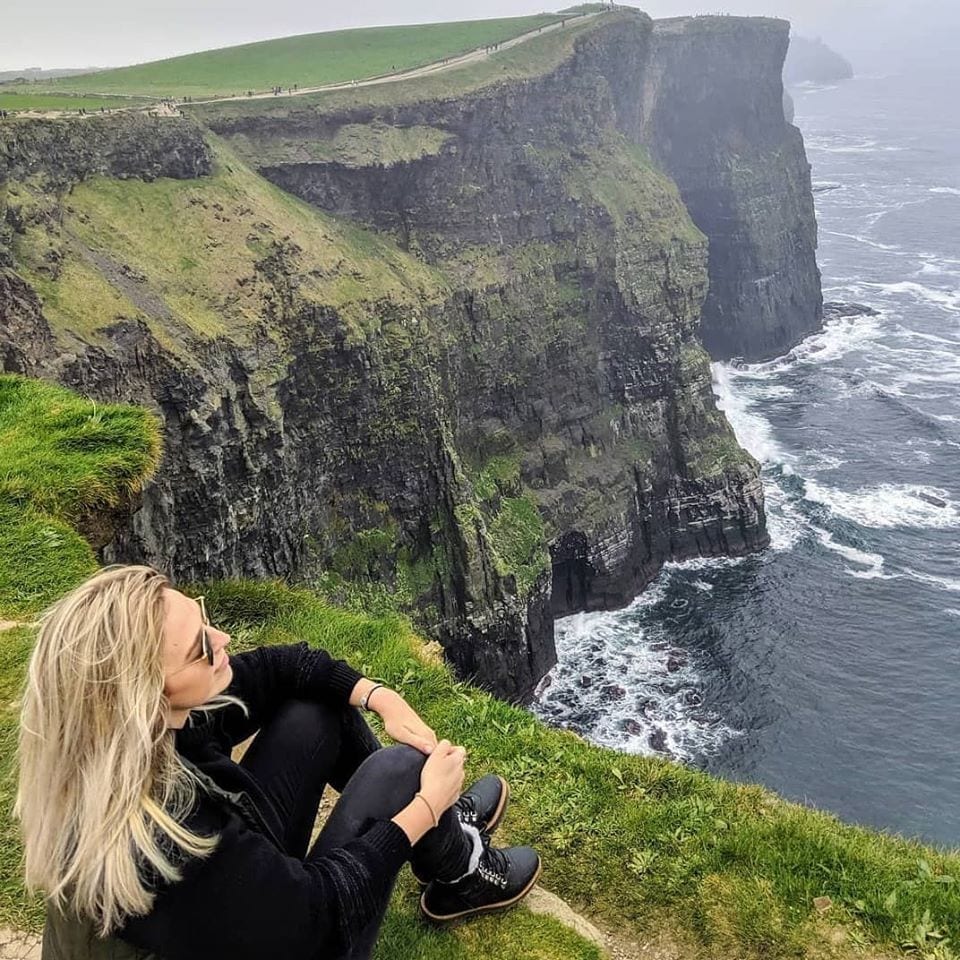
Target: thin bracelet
<point x="436" y="822"/>
<point x="365" y="700"/>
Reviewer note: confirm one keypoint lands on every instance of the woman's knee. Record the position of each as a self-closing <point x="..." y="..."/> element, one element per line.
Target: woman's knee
<point x="399" y="765"/>
<point x="308" y="719"/>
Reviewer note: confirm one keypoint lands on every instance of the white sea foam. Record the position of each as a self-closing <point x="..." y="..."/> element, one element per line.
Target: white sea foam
<point x="945" y="583"/>
<point x="948" y="300"/>
<point x="888" y="505"/>
<point x="860" y="238"/>
<point x="702" y="563"/>
<point x="786" y="525"/>
<point x="869" y="566"/>
<point x="837" y="338"/>
<point x="846" y="145"/>
<point x="753" y="432"/>
<point x="953" y="191"/>
<point x="936" y="268"/>
<point x="620" y="683"/>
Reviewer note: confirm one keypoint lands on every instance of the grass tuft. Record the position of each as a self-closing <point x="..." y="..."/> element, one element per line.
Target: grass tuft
<point x="63" y="459"/>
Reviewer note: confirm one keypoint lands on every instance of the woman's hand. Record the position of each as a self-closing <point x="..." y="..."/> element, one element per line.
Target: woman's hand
<point x="401" y="722"/>
<point x="441" y="778"/>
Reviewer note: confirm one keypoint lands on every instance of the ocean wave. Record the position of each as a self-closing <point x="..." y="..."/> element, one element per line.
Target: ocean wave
<point x="829" y="145"/>
<point x="860" y="238"/>
<point x="702" y="563"/>
<point x="837" y="338"/>
<point x="888" y="505"/>
<point x="786" y="525"/>
<point x="869" y="565"/>
<point x="936" y="268"/>
<point x="953" y="191"/>
<point x="620" y="683"/>
<point x="752" y="431"/>
<point x="945" y="583"/>
<point x="945" y="299"/>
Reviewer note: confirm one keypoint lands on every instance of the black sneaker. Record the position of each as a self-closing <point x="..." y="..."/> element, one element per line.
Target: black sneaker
<point x="502" y="878"/>
<point x="482" y="806"/>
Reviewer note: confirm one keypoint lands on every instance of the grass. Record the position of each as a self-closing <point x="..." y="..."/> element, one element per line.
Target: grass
<point x="63" y="459"/>
<point x="640" y="844"/>
<point x="20" y="102"/>
<point x="534" y="58"/>
<point x="309" y="60"/>
<point x="201" y="254"/>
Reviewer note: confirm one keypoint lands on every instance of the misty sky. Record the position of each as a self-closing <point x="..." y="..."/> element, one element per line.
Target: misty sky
<point x="65" y="33"/>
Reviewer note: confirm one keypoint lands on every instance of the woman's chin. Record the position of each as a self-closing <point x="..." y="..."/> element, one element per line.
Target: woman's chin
<point x="223" y="677"/>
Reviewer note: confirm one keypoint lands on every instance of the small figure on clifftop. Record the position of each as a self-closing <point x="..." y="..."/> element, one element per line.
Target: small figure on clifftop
<point x="145" y="835"/>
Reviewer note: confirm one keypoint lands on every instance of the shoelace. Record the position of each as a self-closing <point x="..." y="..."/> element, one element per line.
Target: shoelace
<point x="494" y="866"/>
<point x="467" y="810"/>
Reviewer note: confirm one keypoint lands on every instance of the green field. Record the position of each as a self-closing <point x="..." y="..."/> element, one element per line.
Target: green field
<point x="535" y="57"/>
<point x="310" y="60"/>
<point x="18" y="102"/>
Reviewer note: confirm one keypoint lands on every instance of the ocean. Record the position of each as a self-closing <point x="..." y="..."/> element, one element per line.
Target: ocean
<point x="828" y="667"/>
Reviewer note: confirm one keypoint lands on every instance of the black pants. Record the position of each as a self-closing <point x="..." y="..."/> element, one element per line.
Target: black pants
<point x="309" y="745"/>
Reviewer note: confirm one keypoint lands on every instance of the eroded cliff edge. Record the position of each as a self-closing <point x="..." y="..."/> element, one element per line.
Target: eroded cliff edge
<point x="713" y="116"/>
<point x="470" y="370"/>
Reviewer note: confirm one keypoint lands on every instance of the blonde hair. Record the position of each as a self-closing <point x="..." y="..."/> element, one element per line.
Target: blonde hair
<point x="101" y="785"/>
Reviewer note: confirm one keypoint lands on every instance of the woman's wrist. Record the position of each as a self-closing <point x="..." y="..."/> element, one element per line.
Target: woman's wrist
<point x="414" y="820"/>
<point x="370" y="693"/>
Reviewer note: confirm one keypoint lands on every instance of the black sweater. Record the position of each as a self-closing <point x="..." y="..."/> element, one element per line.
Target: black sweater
<point x="249" y="899"/>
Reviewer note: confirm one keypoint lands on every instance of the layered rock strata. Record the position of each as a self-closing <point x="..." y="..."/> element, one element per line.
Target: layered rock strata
<point x="713" y="116"/>
<point x="472" y="374"/>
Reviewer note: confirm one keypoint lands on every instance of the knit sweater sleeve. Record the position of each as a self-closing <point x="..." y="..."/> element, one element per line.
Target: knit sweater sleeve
<point x="267" y="677"/>
<point x="247" y="900"/>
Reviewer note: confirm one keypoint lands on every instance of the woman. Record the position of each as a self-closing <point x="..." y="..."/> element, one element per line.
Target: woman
<point x="149" y="841"/>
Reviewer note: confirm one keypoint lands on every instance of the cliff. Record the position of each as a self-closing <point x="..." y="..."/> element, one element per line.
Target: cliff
<point x="713" y="116"/>
<point x="452" y="347"/>
<point x="812" y="61"/>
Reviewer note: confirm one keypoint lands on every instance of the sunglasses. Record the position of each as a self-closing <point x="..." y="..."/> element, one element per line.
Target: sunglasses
<point x="206" y="645"/>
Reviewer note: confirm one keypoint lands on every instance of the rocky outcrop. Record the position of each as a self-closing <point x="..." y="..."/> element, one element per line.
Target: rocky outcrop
<point x="713" y="117"/>
<point x="812" y="61"/>
<point x="474" y="376"/>
<point x="123" y="146"/>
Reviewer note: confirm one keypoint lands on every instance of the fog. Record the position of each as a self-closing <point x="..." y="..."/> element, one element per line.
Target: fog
<point x="63" y="33"/>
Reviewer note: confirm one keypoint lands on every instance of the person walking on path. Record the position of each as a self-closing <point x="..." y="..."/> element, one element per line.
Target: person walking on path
<point x="148" y="840"/>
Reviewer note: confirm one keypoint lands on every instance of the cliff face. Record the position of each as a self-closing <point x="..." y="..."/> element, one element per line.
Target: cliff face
<point x="813" y="61"/>
<point x="471" y="372"/>
<point x="582" y="278"/>
<point x="713" y="117"/>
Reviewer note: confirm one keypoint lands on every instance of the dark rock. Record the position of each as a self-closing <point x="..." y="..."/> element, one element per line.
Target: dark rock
<point x="812" y="61"/>
<point x="835" y="309"/>
<point x="675" y="663"/>
<point x="658" y="740"/>
<point x="931" y="499"/>
<point x="631" y="726"/>
<point x="613" y="692"/>
<point x="716" y="123"/>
